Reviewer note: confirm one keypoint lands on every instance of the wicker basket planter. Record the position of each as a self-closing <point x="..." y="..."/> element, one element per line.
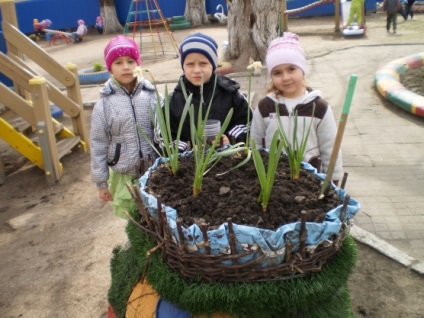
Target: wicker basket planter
<point x="239" y="253"/>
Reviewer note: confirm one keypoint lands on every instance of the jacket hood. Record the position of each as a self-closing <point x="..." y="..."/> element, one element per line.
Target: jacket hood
<point x="310" y="96"/>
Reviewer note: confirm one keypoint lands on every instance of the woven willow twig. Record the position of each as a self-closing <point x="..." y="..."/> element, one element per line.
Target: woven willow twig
<point x="228" y="267"/>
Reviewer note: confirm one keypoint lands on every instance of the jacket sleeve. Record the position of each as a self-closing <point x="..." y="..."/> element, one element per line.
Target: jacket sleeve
<point x="258" y="129"/>
<point x="99" y="138"/>
<point x="159" y="140"/>
<point x="326" y="134"/>
<point x="157" y="134"/>
<point x="177" y="104"/>
<point x="240" y="121"/>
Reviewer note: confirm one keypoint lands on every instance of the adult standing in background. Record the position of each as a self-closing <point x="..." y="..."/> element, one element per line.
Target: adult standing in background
<point x="408" y="9"/>
<point x="392" y="8"/>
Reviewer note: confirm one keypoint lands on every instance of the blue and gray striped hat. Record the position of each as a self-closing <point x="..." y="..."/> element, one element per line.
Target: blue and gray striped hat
<point x="200" y="43"/>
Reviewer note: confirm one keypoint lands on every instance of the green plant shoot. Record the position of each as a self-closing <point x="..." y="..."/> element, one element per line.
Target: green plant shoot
<point x="204" y="154"/>
<point x="266" y="177"/>
<point x="162" y="123"/>
<point x="295" y="149"/>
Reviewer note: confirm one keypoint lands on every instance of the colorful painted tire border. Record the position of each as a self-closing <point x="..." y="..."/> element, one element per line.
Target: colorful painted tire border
<point x="388" y="84"/>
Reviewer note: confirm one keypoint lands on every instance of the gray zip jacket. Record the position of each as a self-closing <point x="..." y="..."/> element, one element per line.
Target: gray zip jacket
<point x="115" y="139"/>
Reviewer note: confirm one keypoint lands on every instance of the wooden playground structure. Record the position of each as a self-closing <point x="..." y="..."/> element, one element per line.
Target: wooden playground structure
<point x="43" y="140"/>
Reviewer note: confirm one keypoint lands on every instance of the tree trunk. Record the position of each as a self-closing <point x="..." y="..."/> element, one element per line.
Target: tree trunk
<point x="110" y="19"/>
<point x="251" y="25"/>
<point x="195" y="12"/>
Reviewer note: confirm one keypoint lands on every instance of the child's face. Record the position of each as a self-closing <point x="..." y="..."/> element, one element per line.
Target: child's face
<point x="197" y="68"/>
<point x="288" y="79"/>
<point x="122" y="70"/>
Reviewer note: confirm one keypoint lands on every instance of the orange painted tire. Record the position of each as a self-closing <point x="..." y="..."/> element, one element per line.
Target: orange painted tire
<point x="224" y="68"/>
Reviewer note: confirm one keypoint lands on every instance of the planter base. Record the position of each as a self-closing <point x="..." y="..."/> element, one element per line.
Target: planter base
<point x="321" y="294"/>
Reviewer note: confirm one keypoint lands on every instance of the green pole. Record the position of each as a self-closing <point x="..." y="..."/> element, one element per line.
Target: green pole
<point x="340" y="132"/>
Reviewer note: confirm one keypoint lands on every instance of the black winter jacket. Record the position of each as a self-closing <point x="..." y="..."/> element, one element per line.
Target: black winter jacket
<point x="226" y="96"/>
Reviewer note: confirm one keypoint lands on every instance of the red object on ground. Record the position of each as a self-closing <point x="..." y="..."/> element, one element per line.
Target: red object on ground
<point x="110" y="312"/>
<point x="59" y="36"/>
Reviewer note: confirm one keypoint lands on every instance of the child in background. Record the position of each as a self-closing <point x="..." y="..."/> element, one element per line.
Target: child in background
<point x="80" y="33"/>
<point x="199" y="59"/>
<point x="39" y="27"/>
<point x="117" y="147"/>
<point x="99" y="24"/>
<point x="287" y="66"/>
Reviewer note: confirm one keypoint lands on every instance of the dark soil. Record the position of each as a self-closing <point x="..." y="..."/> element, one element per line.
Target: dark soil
<point x="413" y="80"/>
<point x="235" y="195"/>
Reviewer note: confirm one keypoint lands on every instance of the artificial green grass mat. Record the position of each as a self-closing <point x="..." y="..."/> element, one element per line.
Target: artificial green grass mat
<point x="126" y="272"/>
<point x="299" y="297"/>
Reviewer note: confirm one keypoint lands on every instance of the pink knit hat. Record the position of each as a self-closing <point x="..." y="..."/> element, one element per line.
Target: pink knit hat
<point x="121" y="46"/>
<point x="286" y="50"/>
<point x="80" y="21"/>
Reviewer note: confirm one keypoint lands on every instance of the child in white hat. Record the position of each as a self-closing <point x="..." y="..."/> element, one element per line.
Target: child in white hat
<point x="81" y="31"/>
<point x="287" y="66"/>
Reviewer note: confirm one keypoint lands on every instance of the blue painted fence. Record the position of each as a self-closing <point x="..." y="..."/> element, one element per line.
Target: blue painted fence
<point x="65" y="13"/>
<point x="324" y="9"/>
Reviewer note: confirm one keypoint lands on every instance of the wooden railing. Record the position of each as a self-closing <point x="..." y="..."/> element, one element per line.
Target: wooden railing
<point x="31" y="95"/>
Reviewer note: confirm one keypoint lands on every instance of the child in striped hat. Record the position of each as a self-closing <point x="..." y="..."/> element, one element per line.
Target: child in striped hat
<point x="199" y="60"/>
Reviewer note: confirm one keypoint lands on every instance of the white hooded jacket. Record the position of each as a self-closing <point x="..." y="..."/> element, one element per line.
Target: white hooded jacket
<point x="322" y="134"/>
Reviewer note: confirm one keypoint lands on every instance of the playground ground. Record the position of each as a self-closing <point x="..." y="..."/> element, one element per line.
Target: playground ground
<point x="56" y="242"/>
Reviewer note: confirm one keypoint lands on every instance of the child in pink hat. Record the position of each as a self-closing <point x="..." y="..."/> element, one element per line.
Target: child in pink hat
<point x="118" y="149"/>
<point x="287" y="66"/>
